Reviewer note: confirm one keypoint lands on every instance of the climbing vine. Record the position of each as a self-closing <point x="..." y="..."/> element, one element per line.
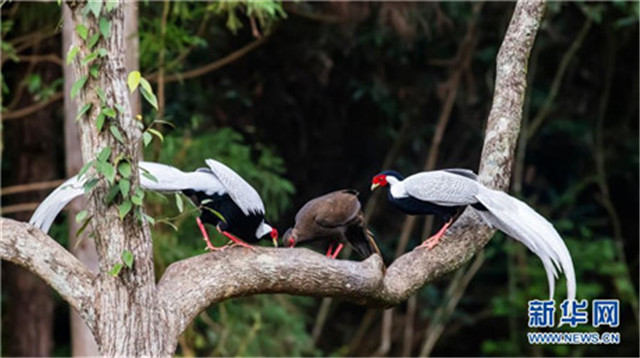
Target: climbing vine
<point x="110" y="169"/>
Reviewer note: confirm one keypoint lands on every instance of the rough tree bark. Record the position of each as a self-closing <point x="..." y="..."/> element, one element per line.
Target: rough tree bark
<point x="82" y="341"/>
<point x="131" y="315"/>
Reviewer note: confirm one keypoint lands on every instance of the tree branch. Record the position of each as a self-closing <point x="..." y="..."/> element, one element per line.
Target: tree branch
<point x="235" y="55"/>
<point x="190" y="285"/>
<point x="32" y="249"/>
<point x="23" y="112"/>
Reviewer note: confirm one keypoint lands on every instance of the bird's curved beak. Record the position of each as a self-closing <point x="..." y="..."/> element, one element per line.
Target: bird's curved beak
<point x="274" y="237"/>
<point x="374" y="186"/>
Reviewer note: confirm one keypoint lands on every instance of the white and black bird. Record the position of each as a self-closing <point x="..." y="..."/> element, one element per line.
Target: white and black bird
<point x="446" y="193"/>
<point x="217" y="189"/>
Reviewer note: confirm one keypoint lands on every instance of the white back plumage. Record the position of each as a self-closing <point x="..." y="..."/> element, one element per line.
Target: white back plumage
<point x="173" y="179"/>
<point x="169" y="179"/>
<point x="242" y="193"/>
<point x="515" y="218"/>
<point x="442" y="188"/>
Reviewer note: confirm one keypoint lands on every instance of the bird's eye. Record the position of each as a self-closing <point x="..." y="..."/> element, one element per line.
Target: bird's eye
<point x="292" y="242"/>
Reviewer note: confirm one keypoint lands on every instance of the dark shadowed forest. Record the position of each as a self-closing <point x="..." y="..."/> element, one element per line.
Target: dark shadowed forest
<point x="305" y="98"/>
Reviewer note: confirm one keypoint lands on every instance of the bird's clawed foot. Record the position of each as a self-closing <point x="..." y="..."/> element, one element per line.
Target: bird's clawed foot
<point x="205" y="237"/>
<point x="236" y="241"/>
<point x="433" y="241"/>
<point x="335" y="253"/>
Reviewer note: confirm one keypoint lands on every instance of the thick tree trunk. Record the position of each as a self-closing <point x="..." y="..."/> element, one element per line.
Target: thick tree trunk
<point x="83" y="342"/>
<point x="127" y="322"/>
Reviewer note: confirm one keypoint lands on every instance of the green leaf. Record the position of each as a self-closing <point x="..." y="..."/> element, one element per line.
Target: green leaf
<point x="104" y="154"/>
<point x="93" y="41"/>
<point x="146" y="138"/>
<point x="107" y="170"/>
<point x="109" y="112"/>
<point x="73" y="51"/>
<point x="90" y="57"/>
<point x="127" y="258"/>
<point x="103" y="97"/>
<point x="215" y="212"/>
<point x="149" y="176"/>
<point x="179" y="203"/>
<point x="113" y="192"/>
<point x="169" y="223"/>
<point x="77" y="86"/>
<point x="136" y="200"/>
<point x="93" y="70"/>
<point x="102" y="52"/>
<point x="150" y="219"/>
<point x="105" y="27"/>
<point x="124" y="168"/>
<point x="156" y="133"/>
<point x="119" y="108"/>
<point x="124" y="185"/>
<point x="82" y="31"/>
<point x="94" y="6"/>
<point x="133" y="80"/>
<point x="147" y="93"/>
<point x="81" y="216"/>
<point x="89" y="184"/>
<point x="100" y="122"/>
<point x="85" y="168"/>
<point x="115" y="271"/>
<point x="110" y="5"/>
<point x="124" y="208"/>
<point x="205" y="201"/>
<point x="84" y="226"/>
<point x="116" y="133"/>
<point x="83" y="110"/>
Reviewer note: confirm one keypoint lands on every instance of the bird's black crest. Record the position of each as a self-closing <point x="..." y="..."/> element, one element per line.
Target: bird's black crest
<point x="392" y="173"/>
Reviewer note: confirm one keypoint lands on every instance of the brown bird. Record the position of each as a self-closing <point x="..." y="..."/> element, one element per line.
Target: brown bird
<point x="334" y="217"/>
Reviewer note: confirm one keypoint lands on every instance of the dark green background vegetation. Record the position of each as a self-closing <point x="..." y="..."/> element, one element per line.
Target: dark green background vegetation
<point x="334" y="90"/>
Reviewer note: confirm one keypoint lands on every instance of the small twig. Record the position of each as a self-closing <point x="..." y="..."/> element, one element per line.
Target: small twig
<point x="407" y="339"/>
<point x="23" y="112"/>
<point x="163" y="33"/>
<point x="42" y="58"/>
<point x="18" y="208"/>
<point x="557" y="80"/>
<point x="385" y="336"/>
<point x="241" y="52"/>
<point x="21" y="188"/>
<point x="443" y="314"/>
<point x="321" y="318"/>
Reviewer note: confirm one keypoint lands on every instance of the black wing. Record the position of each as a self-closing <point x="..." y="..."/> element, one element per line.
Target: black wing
<point x="361" y="238"/>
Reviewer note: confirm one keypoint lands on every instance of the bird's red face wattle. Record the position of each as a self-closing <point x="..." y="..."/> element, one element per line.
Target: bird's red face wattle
<point x="291" y="242"/>
<point x="379" y="180"/>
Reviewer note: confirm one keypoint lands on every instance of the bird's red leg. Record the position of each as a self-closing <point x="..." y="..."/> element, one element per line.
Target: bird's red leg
<point x="236" y="241"/>
<point x="329" y="250"/>
<point x="205" y="236"/>
<point x="338" y="249"/>
<point x="431" y="242"/>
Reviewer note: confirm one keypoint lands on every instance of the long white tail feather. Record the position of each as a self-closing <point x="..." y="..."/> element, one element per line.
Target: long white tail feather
<point x="524" y="224"/>
<point x="44" y="215"/>
<point x="169" y="179"/>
